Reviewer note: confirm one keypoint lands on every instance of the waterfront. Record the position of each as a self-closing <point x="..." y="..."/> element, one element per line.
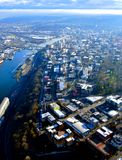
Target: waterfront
<point x="7" y="80"/>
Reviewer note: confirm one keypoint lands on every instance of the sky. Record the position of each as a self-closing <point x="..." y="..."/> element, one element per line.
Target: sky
<point x="61" y="4"/>
<point x="19" y="7"/>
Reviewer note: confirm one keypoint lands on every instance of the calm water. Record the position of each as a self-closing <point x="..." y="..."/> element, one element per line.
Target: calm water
<point x="7" y="81"/>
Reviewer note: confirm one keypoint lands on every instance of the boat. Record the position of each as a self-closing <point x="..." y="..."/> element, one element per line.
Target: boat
<point x="3" y="107"/>
<point x="1" y="61"/>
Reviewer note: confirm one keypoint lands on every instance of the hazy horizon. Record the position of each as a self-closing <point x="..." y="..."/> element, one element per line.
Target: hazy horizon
<point x="23" y="12"/>
<point x="70" y="7"/>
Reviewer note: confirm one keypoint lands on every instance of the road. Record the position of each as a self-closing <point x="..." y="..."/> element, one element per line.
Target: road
<point x="50" y="42"/>
<point x="51" y="153"/>
<point x="85" y="109"/>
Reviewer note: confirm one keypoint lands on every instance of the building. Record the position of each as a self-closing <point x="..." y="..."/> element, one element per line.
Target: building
<point x="112" y="113"/>
<point x="56" y="109"/>
<point x="4" y="105"/>
<point x="108" y="110"/>
<point x="61" y="83"/>
<point x="115" y="101"/>
<point x="70" y="141"/>
<point x="85" y="88"/>
<point x="117" y="141"/>
<point x="59" y="138"/>
<point x="79" y="127"/>
<point x="60" y="135"/>
<point x="94" y="121"/>
<point x="100" y="116"/>
<point x="94" y="99"/>
<point x="59" y="113"/>
<point x="71" y="108"/>
<point x="48" y="116"/>
<point x="54" y="106"/>
<point x="104" y="132"/>
<point x="77" y="102"/>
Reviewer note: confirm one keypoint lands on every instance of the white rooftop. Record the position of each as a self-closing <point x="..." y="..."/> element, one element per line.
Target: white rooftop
<point x="85" y="86"/>
<point x="116" y="99"/>
<point x="80" y="127"/>
<point x="93" y="119"/>
<point x="69" y="139"/>
<point x="72" y="120"/>
<point x="70" y="107"/>
<point x="104" y="131"/>
<point x="48" y="115"/>
<point x="112" y="113"/>
<point x="94" y="98"/>
<point x="59" y="113"/>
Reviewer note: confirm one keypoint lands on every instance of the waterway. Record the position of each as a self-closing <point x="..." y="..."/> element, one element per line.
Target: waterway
<point x="7" y="80"/>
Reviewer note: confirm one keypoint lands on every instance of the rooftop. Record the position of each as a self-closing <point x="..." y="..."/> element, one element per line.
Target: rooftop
<point x="93" y="99"/>
<point x="104" y="131"/>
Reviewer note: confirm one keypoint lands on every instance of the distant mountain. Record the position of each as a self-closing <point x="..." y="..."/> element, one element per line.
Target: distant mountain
<point x="101" y="20"/>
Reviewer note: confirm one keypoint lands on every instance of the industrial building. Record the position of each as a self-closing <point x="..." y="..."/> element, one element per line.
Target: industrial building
<point x="79" y="127"/>
<point x="94" y="99"/>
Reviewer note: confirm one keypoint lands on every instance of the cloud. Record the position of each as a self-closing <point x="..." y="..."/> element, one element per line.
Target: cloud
<point x="83" y="4"/>
<point x="37" y="12"/>
<point x="64" y="11"/>
<point x="105" y="3"/>
<point x="14" y="2"/>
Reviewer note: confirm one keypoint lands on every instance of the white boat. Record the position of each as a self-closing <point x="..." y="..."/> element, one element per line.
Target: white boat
<point x="1" y="61"/>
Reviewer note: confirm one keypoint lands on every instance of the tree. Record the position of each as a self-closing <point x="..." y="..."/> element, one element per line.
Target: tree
<point x="35" y="108"/>
<point x="25" y="146"/>
<point x="27" y="158"/>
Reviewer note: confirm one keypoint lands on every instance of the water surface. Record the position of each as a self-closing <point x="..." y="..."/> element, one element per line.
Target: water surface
<point x="7" y="80"/>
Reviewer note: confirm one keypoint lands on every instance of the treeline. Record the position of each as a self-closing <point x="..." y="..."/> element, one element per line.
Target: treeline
<point x="109" y="78"/>
<point x="27" y="108"/>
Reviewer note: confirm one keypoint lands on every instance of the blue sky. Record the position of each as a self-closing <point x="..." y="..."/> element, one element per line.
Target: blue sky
<point x="62" y="4"/>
